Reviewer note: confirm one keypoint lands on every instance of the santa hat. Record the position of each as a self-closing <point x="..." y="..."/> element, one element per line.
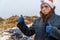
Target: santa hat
<point x="49" y="2"/>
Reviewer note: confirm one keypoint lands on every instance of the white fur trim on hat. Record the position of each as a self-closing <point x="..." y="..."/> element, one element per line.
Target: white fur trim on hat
<point x="49" y="3"/>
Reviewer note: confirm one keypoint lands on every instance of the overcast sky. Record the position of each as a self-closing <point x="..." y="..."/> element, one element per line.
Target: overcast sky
<point x="24" y="7"/>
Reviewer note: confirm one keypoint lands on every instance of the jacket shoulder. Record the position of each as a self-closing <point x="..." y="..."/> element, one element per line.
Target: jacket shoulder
<point x="37" y="20"/>
<point x="58" y="17"/>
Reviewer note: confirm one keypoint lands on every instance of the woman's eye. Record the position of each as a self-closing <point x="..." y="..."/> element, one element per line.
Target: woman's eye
<point x="46" y="6"/>
<point x="42" y="7"/>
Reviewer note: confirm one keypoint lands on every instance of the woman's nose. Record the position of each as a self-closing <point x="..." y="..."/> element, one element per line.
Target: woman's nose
<point x="44" y="9"/>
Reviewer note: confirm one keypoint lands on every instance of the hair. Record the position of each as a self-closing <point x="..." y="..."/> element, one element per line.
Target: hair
<point x="45" y="17"/>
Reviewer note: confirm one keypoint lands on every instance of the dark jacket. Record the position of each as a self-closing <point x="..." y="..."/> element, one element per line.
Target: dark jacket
<point x="38" y="28"/>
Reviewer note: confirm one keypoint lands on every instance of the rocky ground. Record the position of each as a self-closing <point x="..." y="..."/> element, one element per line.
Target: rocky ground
<point x="10" y="23"/>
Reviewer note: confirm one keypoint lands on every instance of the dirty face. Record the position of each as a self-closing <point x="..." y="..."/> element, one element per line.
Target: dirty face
<point x="45" y="8"/>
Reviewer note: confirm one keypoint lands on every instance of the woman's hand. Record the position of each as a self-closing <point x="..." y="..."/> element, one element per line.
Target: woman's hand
<point x="48" y="28"/>
<point x="21" y="19"/>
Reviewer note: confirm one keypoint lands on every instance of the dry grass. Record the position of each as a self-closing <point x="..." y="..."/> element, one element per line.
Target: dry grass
<point x="12" y="21"/>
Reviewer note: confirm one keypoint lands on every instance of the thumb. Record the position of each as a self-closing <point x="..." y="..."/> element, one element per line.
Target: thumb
<point x="49" y="24"/>
<point x="21" y="16"/>
<point x="21" y="19"/>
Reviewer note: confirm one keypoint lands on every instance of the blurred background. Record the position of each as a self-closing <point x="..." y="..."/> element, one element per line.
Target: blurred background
<point x="10" y="11"/>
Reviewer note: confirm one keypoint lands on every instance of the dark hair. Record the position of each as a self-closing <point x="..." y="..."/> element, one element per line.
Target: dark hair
<point x="45" y="17"/>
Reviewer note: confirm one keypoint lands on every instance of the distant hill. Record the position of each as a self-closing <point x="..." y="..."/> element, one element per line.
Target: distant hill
<point x="13" y="20"/>
<point x="29" y="19"/>
<point x="1" y="20"/>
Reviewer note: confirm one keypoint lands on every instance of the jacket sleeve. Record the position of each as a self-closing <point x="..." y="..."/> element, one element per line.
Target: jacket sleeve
<point x="27" y="31"/>
<point x="55" y="32"/>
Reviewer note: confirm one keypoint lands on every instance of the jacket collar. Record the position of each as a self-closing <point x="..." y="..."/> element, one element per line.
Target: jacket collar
<point x="51" y="18"/>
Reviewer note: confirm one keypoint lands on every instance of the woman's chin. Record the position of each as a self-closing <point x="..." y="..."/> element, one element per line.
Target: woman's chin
<point x="46" y="14"/>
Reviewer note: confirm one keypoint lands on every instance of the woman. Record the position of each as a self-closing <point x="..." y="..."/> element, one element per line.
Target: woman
<point x="46" y="27"/>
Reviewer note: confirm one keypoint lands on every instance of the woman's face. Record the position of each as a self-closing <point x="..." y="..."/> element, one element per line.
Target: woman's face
<point x="45" y="8"/>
